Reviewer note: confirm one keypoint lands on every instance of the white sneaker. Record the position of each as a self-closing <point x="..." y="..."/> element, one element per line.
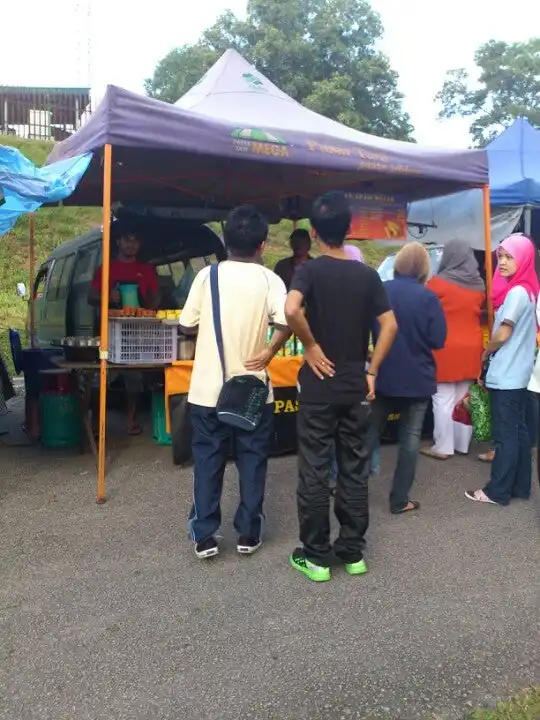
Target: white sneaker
<point x="206" y="549"/>
<point x="248" y="546"/>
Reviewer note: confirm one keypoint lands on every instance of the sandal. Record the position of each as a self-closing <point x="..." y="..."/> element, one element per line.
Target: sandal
<point x="411" y="506"/>
<point x="134" y="429"/>
<point x="487" y="457"/>
<point x="428" y="452"/>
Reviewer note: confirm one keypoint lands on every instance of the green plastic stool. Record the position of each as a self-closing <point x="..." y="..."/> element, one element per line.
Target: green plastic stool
<point x="159" y="422"/>
<point x="60" y="420"/>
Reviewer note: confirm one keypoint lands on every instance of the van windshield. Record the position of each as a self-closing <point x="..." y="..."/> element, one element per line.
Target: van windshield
<point x="175" y="280"/>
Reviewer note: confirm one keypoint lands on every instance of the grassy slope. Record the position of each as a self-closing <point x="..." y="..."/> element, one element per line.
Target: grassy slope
<point x="525" y="706"/>
<point x="56" y="225"/>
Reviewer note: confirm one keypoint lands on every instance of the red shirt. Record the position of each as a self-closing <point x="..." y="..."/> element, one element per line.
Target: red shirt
<point x="142" y="274"/>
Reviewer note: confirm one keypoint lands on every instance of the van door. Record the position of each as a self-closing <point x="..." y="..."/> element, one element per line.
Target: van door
<point x="83" y="315"/>
<point x="56" y="322"/>
<point x="38" y="298"/>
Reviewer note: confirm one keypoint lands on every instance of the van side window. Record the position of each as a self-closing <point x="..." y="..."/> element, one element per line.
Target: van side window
<point x="86" y="265"/>
<point x="41" y="282"/>
<point x="65" y="278"/>
<point x="54" y="282"/>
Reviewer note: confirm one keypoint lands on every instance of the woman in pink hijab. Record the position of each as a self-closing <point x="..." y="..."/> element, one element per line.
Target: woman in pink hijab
<point x="354" y="253"/>
<point x="510" y="356"/>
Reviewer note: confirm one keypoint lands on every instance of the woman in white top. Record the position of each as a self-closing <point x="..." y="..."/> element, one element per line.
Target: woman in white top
<point x="534" y="387"/>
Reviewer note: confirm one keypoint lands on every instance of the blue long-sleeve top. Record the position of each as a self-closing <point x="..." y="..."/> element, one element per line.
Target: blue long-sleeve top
<point x="409" y="368"/>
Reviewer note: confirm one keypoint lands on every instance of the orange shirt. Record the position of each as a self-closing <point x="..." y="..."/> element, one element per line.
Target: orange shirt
<point x="460" y="359"/>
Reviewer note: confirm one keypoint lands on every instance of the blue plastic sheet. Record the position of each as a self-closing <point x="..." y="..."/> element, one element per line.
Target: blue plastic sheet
<point x="25" y="187"/>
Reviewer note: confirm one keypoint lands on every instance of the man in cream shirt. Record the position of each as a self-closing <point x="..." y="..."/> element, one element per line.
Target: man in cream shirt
<point x="251" y="297"/>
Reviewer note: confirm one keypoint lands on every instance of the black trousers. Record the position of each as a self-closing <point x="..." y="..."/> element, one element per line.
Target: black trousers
<point x="319" y="428"/>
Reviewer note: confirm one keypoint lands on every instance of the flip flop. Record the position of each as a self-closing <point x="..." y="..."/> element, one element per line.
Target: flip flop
<point x="486" y="457"/>
<point x="428" y="452"/>
<point x="134" y="430"/>
<point x="407" y="508"/>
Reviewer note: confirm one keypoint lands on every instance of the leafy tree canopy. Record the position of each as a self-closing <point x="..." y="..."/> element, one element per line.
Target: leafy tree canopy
<point x="508" y="87"/>
<point x="321" y="52"/>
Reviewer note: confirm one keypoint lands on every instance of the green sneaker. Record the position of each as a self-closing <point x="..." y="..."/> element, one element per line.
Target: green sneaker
<point x="357" y="568"/>
<point x="316" y="573"/>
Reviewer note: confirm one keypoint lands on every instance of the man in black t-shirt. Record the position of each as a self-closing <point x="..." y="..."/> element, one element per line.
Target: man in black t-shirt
<point x="343" y="299"/>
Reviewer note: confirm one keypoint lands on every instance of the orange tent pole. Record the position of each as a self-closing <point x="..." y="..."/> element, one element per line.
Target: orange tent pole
<point x="104" y="321"/>
<point x="488" y="250"/>
<point x="32" y="274"/>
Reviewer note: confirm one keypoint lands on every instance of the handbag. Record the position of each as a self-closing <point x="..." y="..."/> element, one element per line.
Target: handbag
<point x="242" y="399"/>
<point x="480" y="413"/>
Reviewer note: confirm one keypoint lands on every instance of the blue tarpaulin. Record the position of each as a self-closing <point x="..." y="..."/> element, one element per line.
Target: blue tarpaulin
<point x="25" y="187"/>
<point x="514" y="166"/>
<point x="514" y="179"/>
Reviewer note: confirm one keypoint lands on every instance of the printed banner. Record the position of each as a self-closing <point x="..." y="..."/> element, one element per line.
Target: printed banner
<point x="377" y="217"/>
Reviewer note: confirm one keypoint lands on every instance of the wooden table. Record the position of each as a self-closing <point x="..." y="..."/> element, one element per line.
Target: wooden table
<point x="87" y="370"/>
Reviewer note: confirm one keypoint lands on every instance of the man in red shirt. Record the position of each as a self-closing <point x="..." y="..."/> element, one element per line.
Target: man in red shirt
<point x="127" y="269"/>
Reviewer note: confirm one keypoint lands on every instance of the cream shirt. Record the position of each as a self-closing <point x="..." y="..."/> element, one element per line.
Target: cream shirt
<point x="534" y="382"/>
<point x="250" y="296"/>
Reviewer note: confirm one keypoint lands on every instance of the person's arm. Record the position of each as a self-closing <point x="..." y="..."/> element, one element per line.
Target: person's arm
<point x="514" y="306"/>
<point x="275" y="304"/>
<point x="385" y="332"/>
<point x="437" y="329"/>
<point x="191" y="314"/>
<point x="386" y="335"/>
<point x="502" y="335"/>
<point x="297" y="321"/>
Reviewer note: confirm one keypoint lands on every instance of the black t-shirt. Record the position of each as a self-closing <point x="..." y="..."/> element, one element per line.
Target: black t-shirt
<point x="342" y="299"/>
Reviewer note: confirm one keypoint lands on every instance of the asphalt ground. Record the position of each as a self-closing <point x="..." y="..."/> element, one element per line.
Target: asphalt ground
<point x="106" y="614"/>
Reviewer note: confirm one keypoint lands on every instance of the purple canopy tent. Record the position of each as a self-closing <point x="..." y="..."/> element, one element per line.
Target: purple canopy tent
<point x="207" y="155"/>
<point x="237" y="138"/>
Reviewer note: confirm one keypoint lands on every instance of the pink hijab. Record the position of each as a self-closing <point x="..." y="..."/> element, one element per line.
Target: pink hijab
<point x="523" y="251"/>
<point x="354" y="253"/>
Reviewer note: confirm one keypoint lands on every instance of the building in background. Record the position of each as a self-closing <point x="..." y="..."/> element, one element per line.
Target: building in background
<point x="43" y="113"/>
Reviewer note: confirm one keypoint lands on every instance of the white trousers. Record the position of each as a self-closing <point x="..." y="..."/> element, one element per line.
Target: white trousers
<point x="450" y="436"/>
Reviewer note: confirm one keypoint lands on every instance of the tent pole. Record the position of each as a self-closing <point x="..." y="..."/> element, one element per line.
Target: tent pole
<point x="488" y="251"/>
<point x="104" y="321"/>
<point x="31" y="275"/>
<point x="528" y="221"/>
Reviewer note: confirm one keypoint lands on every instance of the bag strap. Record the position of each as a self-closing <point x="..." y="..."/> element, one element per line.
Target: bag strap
<point x="216" y="313"/>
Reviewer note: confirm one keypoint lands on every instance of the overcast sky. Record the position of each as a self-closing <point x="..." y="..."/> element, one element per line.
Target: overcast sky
<point x="423" y="39"/>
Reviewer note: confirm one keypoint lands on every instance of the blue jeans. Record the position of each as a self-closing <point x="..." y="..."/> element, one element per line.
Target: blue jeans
<point x="212" y="441"/>
<point x="531" y="414"/>
<point x="511" y="467"/>
<point x="412" y="414"/>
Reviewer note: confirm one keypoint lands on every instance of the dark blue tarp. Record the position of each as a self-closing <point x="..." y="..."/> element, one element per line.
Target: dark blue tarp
<point x="25" y="187"/>
<point x="514" y="166"/>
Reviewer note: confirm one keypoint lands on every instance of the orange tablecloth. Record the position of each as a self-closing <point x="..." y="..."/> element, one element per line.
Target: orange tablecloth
<point x="283" y="372"/>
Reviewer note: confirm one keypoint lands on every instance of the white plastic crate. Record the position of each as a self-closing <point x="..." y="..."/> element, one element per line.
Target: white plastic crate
<point x="142" y="340"/>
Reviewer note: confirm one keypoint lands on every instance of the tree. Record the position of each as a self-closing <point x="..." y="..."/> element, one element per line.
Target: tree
<point x="321" y="52"/>
<point x="508" y="87"/>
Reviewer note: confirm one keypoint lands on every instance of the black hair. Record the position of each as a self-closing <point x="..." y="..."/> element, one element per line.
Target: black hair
<point x="331" y="218"/>
<point x="299" y="235"/>
<point x="245" y="231"/>
<point x="121" y="229"/>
